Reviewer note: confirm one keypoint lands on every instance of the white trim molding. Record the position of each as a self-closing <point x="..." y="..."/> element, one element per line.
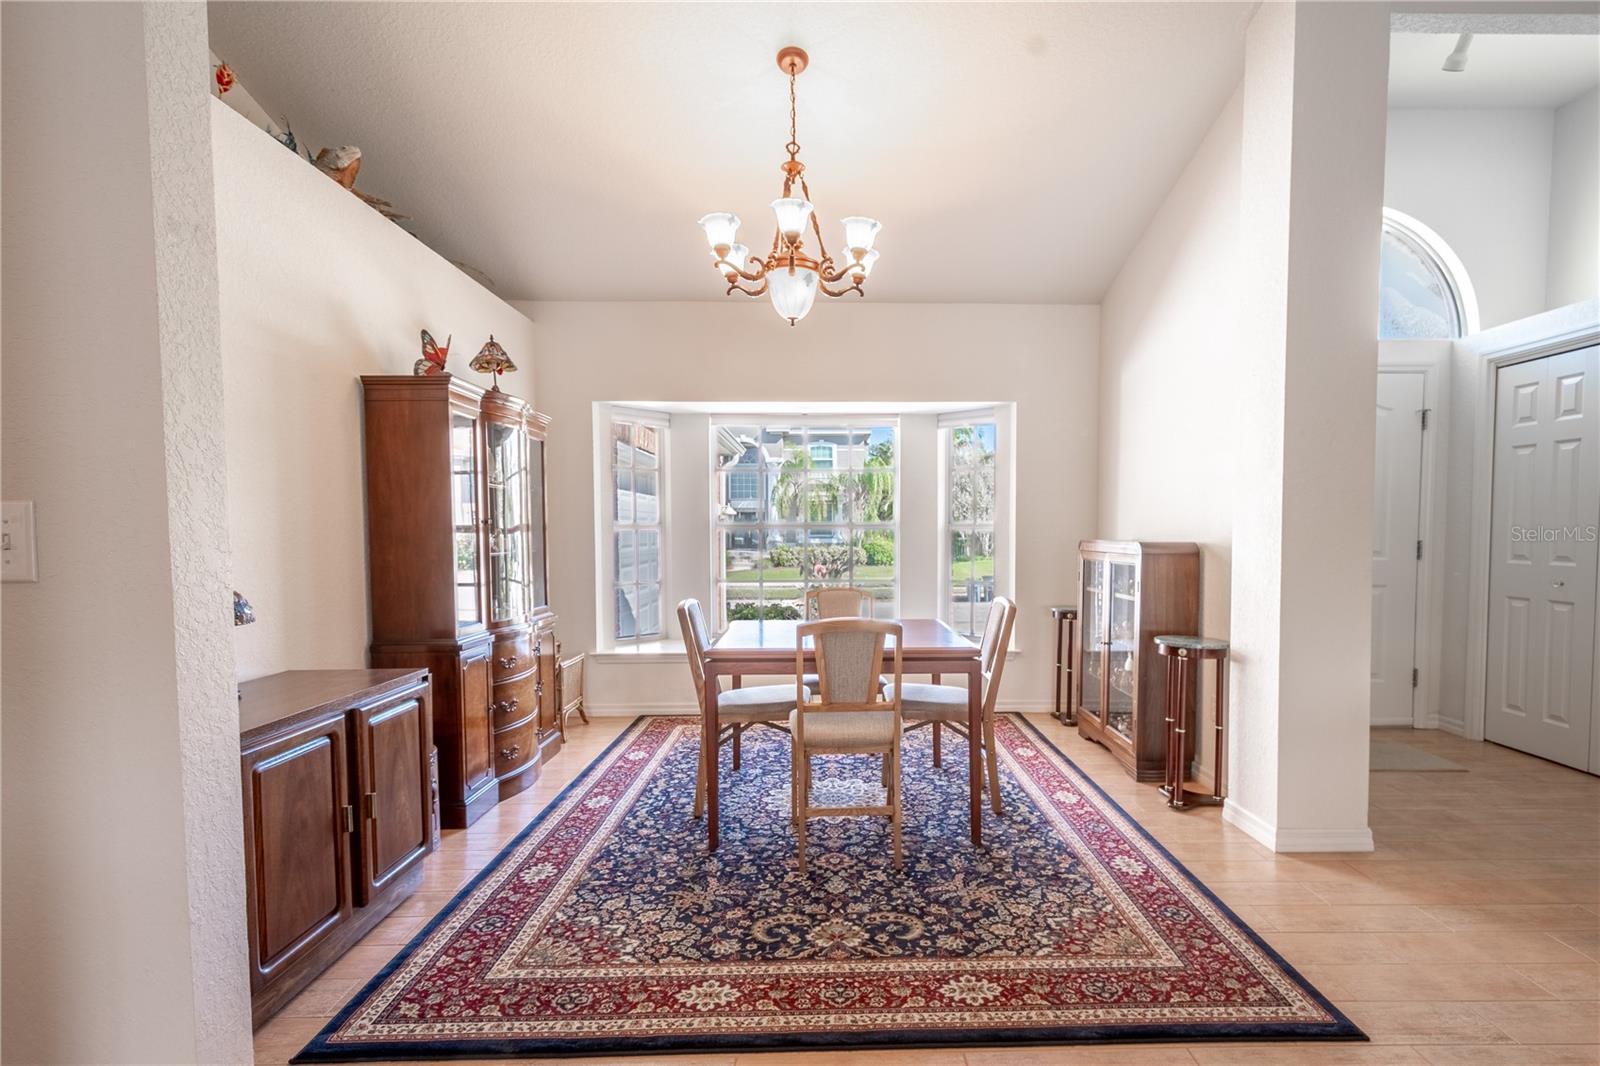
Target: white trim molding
<point x="1281" y="839"/>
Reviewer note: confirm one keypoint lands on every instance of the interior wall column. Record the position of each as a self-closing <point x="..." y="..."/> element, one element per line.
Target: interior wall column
<point x="1311" y="203"/>
<point x="124" y="910"/>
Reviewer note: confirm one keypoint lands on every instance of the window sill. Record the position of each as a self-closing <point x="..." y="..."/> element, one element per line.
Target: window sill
<point x="655" y="651"/>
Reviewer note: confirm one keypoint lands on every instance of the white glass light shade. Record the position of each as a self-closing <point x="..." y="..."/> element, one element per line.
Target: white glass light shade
<point x="793" y="292"/>
<point x="861" y="232"/>
<point x="793" y="214"/>
<point x="721" y="229"/>
<point x="738" y="257"/>
<point x="863" y="268"/>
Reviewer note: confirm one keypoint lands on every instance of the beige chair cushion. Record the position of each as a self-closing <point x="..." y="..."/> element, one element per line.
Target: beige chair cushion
<point x="761" y="703"/>
<point x="945" y="703"/>
<point x="847" y="729"/>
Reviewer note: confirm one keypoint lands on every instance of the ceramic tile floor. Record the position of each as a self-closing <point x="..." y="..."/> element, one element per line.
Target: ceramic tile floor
<point x="1469" y="937"/>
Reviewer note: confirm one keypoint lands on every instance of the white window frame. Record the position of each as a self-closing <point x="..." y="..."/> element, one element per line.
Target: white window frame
<point x="606" y="526"/>
<point x="762" y="420"/>
<point x="1003" y="526"/>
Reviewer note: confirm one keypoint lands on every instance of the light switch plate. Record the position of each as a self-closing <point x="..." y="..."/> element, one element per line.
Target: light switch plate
<point x="18" y="561"/>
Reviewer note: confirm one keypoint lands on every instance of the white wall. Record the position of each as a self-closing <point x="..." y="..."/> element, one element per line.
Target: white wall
<point x="124" y="910"/>
<point x="1573" y="273"/>
<point x="1480" y="178"/>
<point x="317" y="289"/>
<point x="1041" y="357"/>
<point x="1168" y="347"/>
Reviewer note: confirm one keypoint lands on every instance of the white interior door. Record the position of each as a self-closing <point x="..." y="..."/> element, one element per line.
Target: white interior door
<point x="1543" y="560"/>
<point x="1396" y="524"/>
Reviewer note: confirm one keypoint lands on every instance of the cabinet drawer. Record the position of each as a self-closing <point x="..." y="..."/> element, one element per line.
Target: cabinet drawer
<point x="515" y="701"/>
<point x="513" y="655"/>
<point x="515" y="748"/>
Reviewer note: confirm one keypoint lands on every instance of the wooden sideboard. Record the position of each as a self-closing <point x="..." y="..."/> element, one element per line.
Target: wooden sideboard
<point x="338" y="815"/>
<point x="456" y="560"/>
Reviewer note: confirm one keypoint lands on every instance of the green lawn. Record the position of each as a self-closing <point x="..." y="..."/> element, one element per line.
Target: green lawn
<point x="980" y="568"/>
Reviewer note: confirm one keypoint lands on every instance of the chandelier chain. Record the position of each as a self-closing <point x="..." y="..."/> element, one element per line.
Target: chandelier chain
<point x="793" y="146"/>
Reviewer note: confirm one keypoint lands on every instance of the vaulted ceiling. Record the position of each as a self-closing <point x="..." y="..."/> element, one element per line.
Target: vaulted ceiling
<point x="1013" y="152"/>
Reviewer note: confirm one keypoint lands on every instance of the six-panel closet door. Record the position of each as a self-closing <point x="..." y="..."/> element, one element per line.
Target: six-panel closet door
<point x="1544" y="559"/>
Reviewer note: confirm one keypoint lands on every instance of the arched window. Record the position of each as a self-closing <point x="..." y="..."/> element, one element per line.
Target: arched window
<point x="1423" y="291"/>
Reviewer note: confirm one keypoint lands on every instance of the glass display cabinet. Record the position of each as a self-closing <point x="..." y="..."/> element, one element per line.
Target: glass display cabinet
<point x="456" y="563"/>
<point x="1131" y="592"/>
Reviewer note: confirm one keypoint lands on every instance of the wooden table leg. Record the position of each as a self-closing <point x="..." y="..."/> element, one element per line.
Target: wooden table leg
<point x="708" y="751"/>
<point x="1070" y="715"/>
<point x="974" y="760"/>
<point x="1061" y="624"/>
<point x="1171" y="738"/>
<point x="1217" y="734"/>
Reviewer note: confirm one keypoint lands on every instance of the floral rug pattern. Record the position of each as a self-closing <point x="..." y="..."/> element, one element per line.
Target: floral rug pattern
<point x="607" y="927"/>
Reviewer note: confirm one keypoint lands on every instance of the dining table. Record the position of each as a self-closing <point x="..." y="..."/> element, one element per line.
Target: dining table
<point x="767" y="648"/>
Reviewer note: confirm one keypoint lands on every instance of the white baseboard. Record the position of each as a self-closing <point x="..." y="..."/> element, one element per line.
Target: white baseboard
<point x="634" y="709"/>
<point x="1388" y="723"/>
<point x="1282" y="840"/>
<point x="1454" y="728"/>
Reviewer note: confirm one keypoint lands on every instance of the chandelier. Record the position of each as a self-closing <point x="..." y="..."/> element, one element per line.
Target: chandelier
<point x="791" y="274"/>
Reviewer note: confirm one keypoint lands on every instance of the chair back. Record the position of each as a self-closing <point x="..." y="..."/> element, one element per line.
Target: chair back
<point x="992" y="652"/>
<point x="695" y="642"/>
<point x="837" y="601"/>
<point x="850" y="653"/>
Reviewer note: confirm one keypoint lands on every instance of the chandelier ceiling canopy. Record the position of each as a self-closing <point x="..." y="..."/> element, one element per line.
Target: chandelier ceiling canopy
<point x="791" y="273"/>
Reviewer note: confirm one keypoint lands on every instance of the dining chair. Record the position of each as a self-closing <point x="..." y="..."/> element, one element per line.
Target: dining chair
<point x="943" y="706"/>
<point x="768" y="705"/>
<point x="848" y="715"/>
<point x="835" y="601"/>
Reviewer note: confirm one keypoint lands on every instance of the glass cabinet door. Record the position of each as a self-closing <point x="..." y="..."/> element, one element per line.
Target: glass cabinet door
<point x="1091" y="654"/>
<point x="464" y="516"/>
<point x="507" y="481"/>
<point x="538" y="596"/>
<point x="1124" y="649"/>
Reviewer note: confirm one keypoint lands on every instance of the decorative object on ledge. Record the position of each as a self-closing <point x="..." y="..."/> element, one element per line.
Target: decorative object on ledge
<point x="1180" y="652"/>
<point x="492" y="359"/>
<point x="243" y="613"/>
<point x="1066" y="619"/>
<point x="788" y="273"/>
<point x="224" y="76"/>
<point x="342" y="164"/>
<point x="433" y="356"/>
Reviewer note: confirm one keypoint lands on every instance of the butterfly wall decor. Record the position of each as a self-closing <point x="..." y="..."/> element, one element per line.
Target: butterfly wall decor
<point x="433" y="356"/>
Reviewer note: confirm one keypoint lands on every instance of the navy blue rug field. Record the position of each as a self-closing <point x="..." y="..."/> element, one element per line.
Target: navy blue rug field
<point x="607" y="928"/>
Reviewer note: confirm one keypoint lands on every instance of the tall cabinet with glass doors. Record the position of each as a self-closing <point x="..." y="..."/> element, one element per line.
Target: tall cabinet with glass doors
<point x="1131" y="592"/>
<point x="457" y="570"/>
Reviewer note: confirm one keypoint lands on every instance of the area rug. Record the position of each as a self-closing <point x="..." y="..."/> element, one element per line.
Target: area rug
<point x="607" y="928"/>
<point x="1405" y="758"/>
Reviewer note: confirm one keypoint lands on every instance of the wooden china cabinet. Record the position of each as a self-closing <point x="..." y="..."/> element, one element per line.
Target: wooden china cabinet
<point x="1131" y="593"/>
<point x="456" y="560"/>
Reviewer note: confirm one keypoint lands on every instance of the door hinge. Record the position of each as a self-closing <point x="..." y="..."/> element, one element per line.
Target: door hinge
<point x="1419" y="549"/>
<point x="1424" y="418"/>
<point x="371" y="801"/>
<point x="1413" y="677"/>
<point x="349" y="812"/>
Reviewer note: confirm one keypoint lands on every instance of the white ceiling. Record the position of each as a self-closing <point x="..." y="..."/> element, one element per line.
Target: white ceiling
<point x="1013" y="152"/>
<point x="1503" y="70"/>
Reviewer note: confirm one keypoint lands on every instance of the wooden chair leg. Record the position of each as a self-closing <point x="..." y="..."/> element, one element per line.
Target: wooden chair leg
<point x="883" y="775"/>
<point x="582" y="712"/>
<point x="894" y="805"/>
<point x="805" y="803"/>
<point x="938" y="735"/>
<point x="700" y="787"/>
<point x="738" y="735"/>
<point x="994" y="764"/>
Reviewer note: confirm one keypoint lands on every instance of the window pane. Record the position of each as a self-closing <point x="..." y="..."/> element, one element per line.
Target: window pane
<point x="963" y="495"/>
<point x="983" y="490"/>
<point x="884" y="606"/>
<point x="875" y="558"/>
<point x="625" y="559"/>
<point x="828" y="497"/>
<point x="740" y="497"/>
<point x="646" y="446"/>
<point x="622" y="443"/>
<point x="741" y="557"/>
<point x="828" y="556"/>
<point x="1415" y="300"/>
<point x="627" y="617"/>
<point x="649" y="555"/>
<point x="624" y="508"/>
<point x="872" y="495"/>
<point x="646" y="502"/>
<point x="648" y="610"/>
